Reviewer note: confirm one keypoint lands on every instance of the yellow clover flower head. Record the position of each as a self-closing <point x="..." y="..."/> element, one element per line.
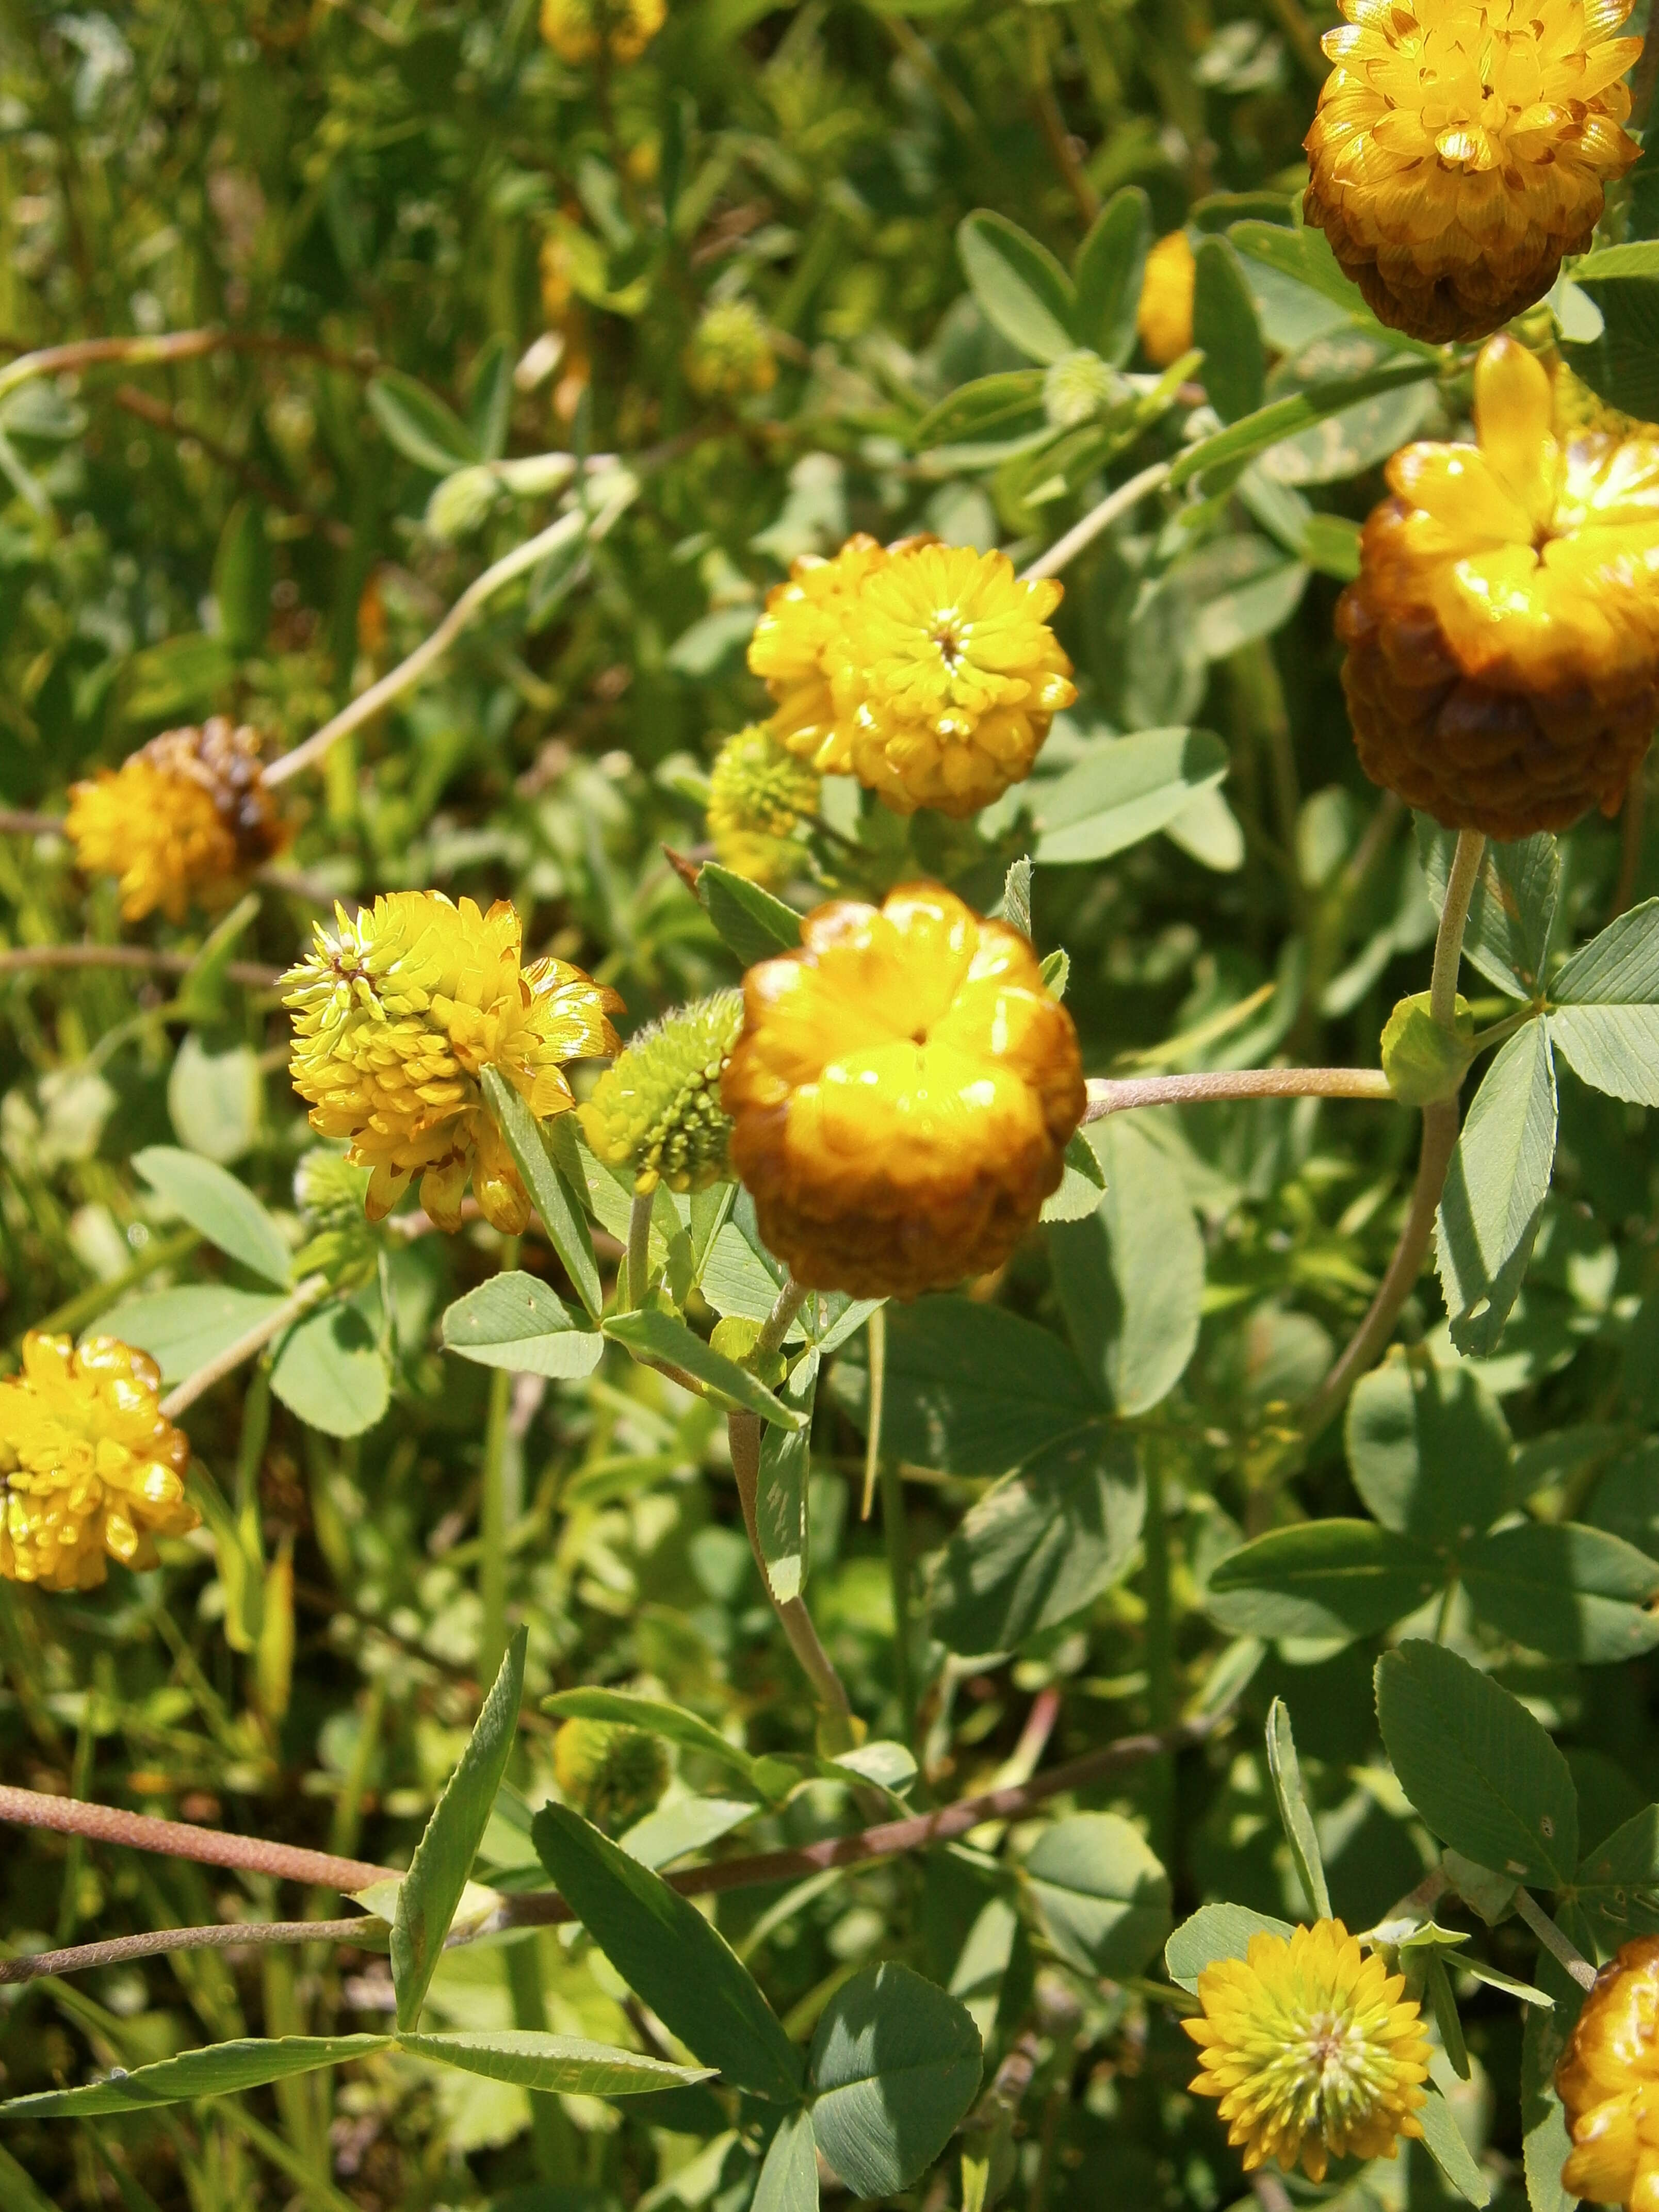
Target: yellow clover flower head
<point x="1311" y="2048"/>
<point x="1462" y="147"/>
<point x="612" y="1774"/>
<point x="903" y="1095"/>
<point x="730" y="355"/>
<point x="759" y="797"/>
<point x="1164" y="316"/>
<point x="1503" y="636"/>
<point x="577" y="30"/>
<point x="397" y="1013"/>
<point x="658" y="1110"/>
<point x="1608" y="2082"/>
<point x="186" y="817"/>
<point x="91" y="1469"/>
<point x="929" y="672"/>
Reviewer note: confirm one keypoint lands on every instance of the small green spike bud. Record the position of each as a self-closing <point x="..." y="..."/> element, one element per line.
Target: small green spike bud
<point x="612" y="1774"/>
<point x="1077" y="387"/>
<point x="731" y="355"/>
<point x="329" y="1190"/>
<point x="658" y="1108"/>
<point x="759" y="797"/>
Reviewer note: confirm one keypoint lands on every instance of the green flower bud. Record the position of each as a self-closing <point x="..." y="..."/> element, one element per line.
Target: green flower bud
<point x="329" y="1190"/>
<point x="1076" y="388"/>
<point x="612" y="1774"/>
<point x="759" y="797"/>
<point x="730" y="355"/>
<point x="658" y="1108"/>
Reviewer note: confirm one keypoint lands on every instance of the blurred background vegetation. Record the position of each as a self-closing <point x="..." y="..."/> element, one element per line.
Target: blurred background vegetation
<point x="428" y="244"/>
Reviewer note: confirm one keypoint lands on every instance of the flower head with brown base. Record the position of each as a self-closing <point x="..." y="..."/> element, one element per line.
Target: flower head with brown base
<point x="187" y="817"/>
<point x="1462" y="147"/>
<point x="929" y="672"/>
<point x="1608" y="2080"/>
<point x="1503" y="668"/>
<point x="1313" y="2050"/>
<point x="397" y="1013"/>
<point x="903" y="1095"/>
<point x="91" y="1469"/>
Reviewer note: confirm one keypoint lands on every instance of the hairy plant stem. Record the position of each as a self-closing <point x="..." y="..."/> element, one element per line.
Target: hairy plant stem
<point x="1563" y="1952"/>
<point x="1110" y="509"/>
<point x="1119" y="1094"/>
<point x="744" y="1431"/>
<point x="1439" y="1141"/>
<point x="788" y="1302"/>
<point x="120" y="1950"/>
<point x="251" y="1340"/>
<point x="569" y="530"/>
<point x="543" y="1908"/>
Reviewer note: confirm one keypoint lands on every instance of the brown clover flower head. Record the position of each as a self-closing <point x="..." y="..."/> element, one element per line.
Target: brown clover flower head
<point x="399" y="1010"/>
<point x="1608" y="2080"/>
<point x="1462" y="147"/>
<point x="903" y="1095"/>
<point x="1503" y="636"/>
<point x="188" y="816"/>
<point x="91" y="1469"/>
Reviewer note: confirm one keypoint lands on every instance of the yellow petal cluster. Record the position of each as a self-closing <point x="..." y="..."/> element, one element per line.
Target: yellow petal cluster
<point x="730" y="355"/>
<point x="903" y="1095"/>
<point x="185" y="817"/>
<point x="577" y="30"/>
<point x="91" y="1469"/>
<point x="1503" y="637"/>
<point x="1608" y="2082"/>
<point x="1462" y="147"/>
<point x="1312" y="2049"/>
<point x="759" y="797"/>
<point x="399" y="1010"/>
<point x="929" y="672"/>
<point x="1164" y="317"/>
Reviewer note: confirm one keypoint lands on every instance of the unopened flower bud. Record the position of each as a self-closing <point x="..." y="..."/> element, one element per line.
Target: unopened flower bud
<point x="658" y="1110"/>
<point x="730" y="355"/>
<point x="1076" y="388"/>
<point x="612" y="1774"/>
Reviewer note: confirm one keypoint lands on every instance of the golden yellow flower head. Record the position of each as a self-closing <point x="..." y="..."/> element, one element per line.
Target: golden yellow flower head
<point x="929" y="672"/>
<point x="398" y="1013"/>
<point x="658" y="1110"/>
<point x="1462" y="147"/>
<point x="903" y="1095"/>
<point x="1312" y="2048"/>
<point x="1164" y="317"/>
<point x="91" y="1469"/>
<point x="1503" y="637"/>
<point x="577" y="29"/>
<point x="730" y="355"/>
<point x="186" y="817"/>
<point x="759" y="797"/>
<point x="612" y="1774"/>
<point x="1608" y="2082"/>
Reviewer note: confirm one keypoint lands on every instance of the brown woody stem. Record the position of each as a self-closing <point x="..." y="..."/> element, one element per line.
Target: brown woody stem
<point x="538" y="1908"/>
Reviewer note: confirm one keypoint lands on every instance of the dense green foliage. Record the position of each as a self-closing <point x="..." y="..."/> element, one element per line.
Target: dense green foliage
<point x="425" y="254"/>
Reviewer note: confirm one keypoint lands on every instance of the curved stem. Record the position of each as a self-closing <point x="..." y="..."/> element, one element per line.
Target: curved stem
<point x="567" y="530"/>
<point x="1439" y="1141"/>
<point x="1100" y="518"/>
<point x="251" y="1340"/>
<point x="1115" y="1095"/>
<point x="224" y="1936"/>
<point x="744" y="1431"/>
<point x="1563" y="1952"/>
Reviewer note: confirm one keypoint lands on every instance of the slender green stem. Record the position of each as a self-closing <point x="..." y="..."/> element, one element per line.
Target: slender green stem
<point x="1118" y="1094"/>
<point x="492" y="1529"/>
<point x="639" y="1247"/>
<point x="1439" y="1141"/>
<point x="1115" y="505"/>
<point x="1563" y="1952"/>
<point x="74" y="1313"/>
<point x="899" y="1569"/>
<point x="1160" y="1627"/>
<point x="252" y="1340"/>
<point x="744" y="1431"/>
<point x="551" y="2137"/>
<point x="788" y="1302"/>
<point x="876" y="1332"/>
